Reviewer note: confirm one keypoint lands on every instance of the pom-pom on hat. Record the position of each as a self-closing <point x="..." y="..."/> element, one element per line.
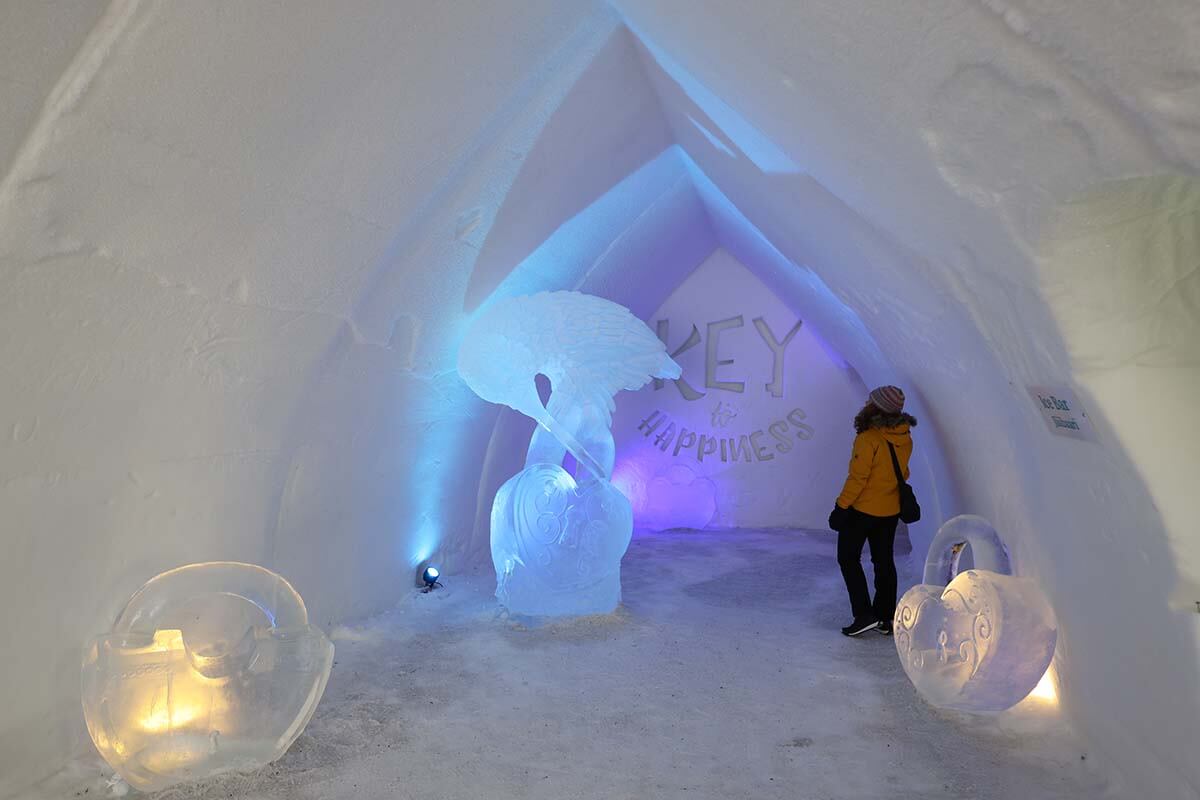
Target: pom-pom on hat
<point x="889" y="399"/>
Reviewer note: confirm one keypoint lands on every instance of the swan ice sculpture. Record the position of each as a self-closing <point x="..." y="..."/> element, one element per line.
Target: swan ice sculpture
<point x="210" y="668"/>
<point x="557" y="539"/>
<point x="980" y="640"/>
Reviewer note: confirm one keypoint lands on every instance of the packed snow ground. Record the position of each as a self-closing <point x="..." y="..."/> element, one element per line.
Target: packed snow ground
<point x="722" y="675"/>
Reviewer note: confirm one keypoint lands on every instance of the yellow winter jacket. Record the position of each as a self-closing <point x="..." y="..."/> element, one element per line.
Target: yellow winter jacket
<point x="871" y="485"/>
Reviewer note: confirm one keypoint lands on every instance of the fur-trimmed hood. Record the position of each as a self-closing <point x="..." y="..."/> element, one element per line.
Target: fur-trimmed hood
<point x="881" y="419"/>
<point x="891" y="420"/>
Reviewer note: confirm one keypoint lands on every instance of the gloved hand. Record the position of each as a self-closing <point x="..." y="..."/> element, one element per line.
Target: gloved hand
<point x="838" y="518"/>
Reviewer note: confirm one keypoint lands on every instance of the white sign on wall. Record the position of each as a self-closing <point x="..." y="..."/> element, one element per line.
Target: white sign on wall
<point x="1062" y="412"/>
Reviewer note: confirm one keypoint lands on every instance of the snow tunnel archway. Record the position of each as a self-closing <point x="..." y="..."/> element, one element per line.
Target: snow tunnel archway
<point x="231" y="302"/>
<point x="625" y="208"/>
<point x="662" y="238"/>
<point x="954" y="318"/>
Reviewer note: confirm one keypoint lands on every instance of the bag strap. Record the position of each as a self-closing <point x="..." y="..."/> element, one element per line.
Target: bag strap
<point x="896" y="465"/>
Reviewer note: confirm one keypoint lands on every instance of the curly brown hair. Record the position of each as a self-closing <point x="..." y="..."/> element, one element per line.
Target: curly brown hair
<point x="872" y="416"/>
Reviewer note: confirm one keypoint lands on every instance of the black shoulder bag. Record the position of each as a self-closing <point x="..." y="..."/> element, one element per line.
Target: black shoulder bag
<point x="910" y="509"/>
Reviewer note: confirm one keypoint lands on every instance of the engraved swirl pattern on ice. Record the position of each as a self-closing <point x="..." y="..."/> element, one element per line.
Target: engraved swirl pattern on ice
<point x="982" y="642"/>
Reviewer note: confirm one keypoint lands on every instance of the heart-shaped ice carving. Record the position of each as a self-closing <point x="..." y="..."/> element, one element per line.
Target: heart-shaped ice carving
<point x="557" y="544"/>
<point x="980" y="644"/>
<point x="210" y="668"/>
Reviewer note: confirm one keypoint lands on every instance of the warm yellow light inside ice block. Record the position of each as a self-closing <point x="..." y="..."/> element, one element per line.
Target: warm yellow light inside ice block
<point x="1045" y="689"/>
<point x="167" y="709"/>
<point x="167" y="715"/>
<point x="163" y="718"/>
<point x="187" y="697"/>
<point x="210" y="668"/>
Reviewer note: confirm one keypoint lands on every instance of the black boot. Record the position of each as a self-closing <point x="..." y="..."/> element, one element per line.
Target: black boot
<point x="860" y="625"/>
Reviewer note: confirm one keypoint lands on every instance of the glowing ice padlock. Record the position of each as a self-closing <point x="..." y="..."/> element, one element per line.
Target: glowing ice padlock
<point x="209" y="668"/>
<point x="982" y="639"/>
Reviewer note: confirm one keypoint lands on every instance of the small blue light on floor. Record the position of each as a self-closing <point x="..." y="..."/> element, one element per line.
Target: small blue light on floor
<point x="430" y="577"/>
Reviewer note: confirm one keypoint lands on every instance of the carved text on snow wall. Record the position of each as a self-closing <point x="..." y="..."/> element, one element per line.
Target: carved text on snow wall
<point x="712" y="361"/>
<point x="680" y="441"/>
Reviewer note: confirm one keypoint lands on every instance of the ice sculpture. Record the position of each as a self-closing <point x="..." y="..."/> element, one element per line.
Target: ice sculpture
<point x="209" y="668"/>
<point x="557" y="541"/>
<point x="982" y="642"/>
<point x="987" y="549"/>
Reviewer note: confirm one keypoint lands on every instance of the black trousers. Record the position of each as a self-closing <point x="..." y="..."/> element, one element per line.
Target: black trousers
<point x="880" y="533"/>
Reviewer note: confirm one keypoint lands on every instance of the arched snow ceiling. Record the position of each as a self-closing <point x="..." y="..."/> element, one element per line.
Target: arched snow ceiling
<point x="239" y="242"/>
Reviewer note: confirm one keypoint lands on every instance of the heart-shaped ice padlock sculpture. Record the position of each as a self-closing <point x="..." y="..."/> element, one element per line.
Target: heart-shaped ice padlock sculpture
<point x="557" y="544"/>
<point x="982" y="642"/>
<point x="209" y="668"/>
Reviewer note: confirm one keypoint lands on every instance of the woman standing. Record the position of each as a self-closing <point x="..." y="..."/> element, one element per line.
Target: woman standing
<point x="869" y="507"/>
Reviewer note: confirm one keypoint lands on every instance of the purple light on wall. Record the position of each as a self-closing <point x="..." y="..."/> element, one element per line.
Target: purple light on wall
<point x="663" y="498"/>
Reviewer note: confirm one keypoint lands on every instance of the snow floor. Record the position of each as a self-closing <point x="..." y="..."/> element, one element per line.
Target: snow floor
<point x="723" y="675"/>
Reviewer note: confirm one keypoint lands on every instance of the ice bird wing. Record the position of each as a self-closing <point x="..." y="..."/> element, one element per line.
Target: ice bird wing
<point x="600" y="348"/>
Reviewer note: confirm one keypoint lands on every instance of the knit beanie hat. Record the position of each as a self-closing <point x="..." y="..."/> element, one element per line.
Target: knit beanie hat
<point x="888" y="399"/>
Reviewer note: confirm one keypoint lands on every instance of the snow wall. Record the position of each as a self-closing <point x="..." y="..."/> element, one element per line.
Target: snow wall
<point x="239" y="244"/>
<point x="757" y="431"/>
